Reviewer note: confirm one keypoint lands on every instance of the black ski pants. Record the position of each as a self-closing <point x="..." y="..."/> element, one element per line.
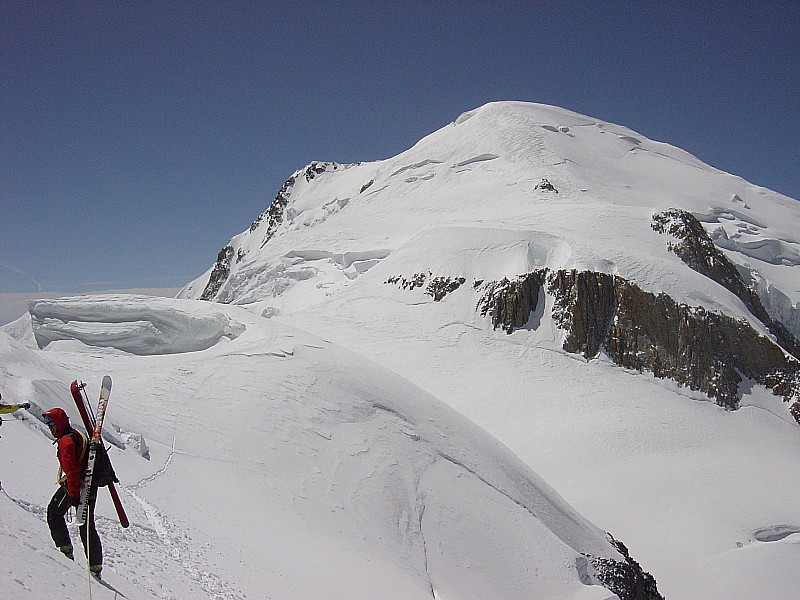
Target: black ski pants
<point x="58" y="507"/>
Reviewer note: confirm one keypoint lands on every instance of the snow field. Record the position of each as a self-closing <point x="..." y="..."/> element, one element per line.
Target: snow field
<point x="282" y="464"/>
<point x="679" y="480"/>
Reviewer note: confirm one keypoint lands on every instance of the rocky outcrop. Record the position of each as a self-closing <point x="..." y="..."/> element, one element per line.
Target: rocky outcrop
<point x="700" y="349"/>
<point x="219" y="274"/>
<point x="415" y="281"/>
<point x="437" y="287"/>
<point x="626" y="579"/>
<point x="545" y="186"/>
<point x="703" y="350"/>
<point x="694" y="246"/>
<point x="511" y="302"/>
<point x="274" y="214"/>
<point x="316" y="168"/>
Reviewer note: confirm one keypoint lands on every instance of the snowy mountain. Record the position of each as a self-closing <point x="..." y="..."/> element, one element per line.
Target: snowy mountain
<point x="544" y="198"/>
<point x="446" y="374"/>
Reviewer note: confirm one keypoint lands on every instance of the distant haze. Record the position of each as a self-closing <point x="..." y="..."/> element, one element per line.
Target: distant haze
<point x="14" y="305"/>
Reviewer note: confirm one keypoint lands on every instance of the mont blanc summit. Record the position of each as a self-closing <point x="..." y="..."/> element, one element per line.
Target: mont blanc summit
<point x="536" y="355"/>
<point x="637" y="245"/>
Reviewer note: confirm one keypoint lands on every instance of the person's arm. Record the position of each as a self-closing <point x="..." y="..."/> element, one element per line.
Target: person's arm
<point x="10" y="408"/>
<point x="70" y="459"/>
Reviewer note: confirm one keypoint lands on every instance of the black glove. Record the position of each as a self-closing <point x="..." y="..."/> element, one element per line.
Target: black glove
<point x="74" y="501"/>
<point x="25" y="405"/>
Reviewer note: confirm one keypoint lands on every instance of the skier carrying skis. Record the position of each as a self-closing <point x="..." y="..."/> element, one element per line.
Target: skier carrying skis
<point x="72" y="452"/>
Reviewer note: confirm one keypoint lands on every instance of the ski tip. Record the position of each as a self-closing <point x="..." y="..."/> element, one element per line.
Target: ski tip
<point x="107" y="382"/>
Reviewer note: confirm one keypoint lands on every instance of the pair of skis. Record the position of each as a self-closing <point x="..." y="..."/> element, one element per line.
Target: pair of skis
<point x="95" y="426"/>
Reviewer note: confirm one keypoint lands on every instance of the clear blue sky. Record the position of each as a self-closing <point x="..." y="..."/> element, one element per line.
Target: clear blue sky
<point x="138" y="137"/>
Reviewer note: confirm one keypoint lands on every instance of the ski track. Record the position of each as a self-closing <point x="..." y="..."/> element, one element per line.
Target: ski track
<point x="38" y="511"/>
<point x="131" y="488"/>
<point x="112" y="535"/>
<point x="169" y="543"/>
<point x="154" y="547"/>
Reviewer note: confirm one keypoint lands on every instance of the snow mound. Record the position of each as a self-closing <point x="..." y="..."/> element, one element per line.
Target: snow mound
<point x="135" y="324"/>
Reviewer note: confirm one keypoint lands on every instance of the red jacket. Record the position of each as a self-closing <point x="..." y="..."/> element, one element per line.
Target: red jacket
<point x="69" y="452"/>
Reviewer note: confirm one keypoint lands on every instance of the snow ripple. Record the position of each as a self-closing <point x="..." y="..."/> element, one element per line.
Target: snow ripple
<point x="476" y="159"/>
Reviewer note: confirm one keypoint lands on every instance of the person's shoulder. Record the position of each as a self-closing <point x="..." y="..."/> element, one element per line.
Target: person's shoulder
<point x="68" y="437"/>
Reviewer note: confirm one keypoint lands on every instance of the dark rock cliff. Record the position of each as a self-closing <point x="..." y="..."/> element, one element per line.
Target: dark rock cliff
<point x="626" y="579"/>
<point x="585" y="304"/>
<point x="703" y="350"/>
<point x="511" y="302"/>
<point x="700" y="349"/>
<point x="695" y="247"/>
<point x="219" y="274"/>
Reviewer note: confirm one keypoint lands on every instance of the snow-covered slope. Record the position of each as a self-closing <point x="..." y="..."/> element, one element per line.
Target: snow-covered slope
<point x="283" y="466"/>
<point x="302" y="445"/>
<point x="484" y="172"/>
<point x="351" y="252"/>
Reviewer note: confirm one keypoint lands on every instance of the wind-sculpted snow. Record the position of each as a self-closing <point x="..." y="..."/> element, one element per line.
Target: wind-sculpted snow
<point x="427" y="433"/>
<point x="135" y="324"/>
<point x="352" y="476"/>
<point x="734" y="230"/>
<point x="476" y="159"/>
<point x="481" y="252"/>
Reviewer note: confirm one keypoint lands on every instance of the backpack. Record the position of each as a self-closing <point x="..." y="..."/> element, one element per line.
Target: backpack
<point x="103" y="470"/>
